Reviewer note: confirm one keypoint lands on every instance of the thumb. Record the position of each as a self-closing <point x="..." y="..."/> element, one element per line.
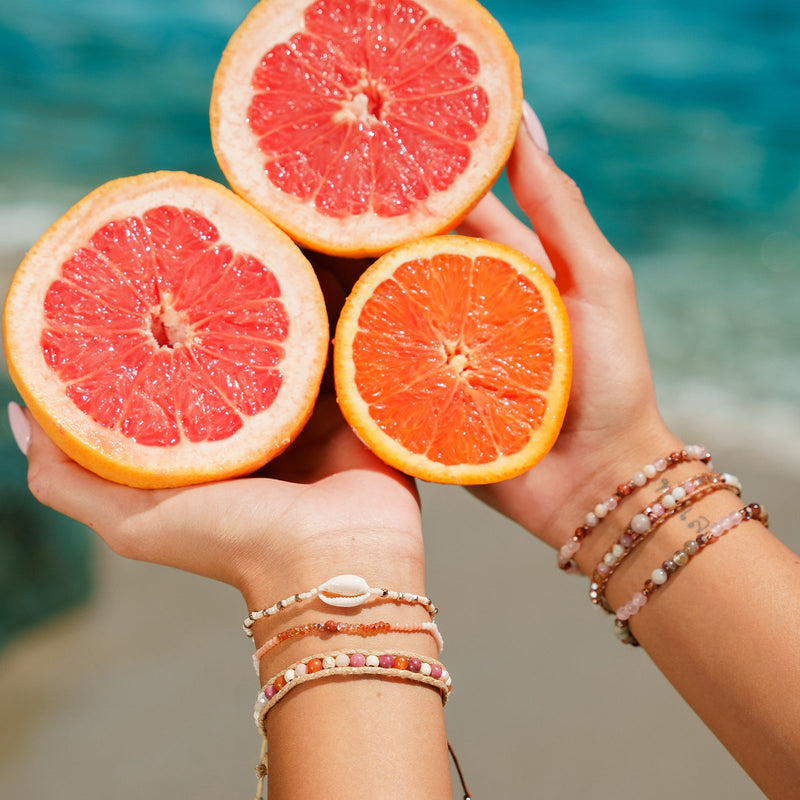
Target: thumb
<point x="554" y="205"/>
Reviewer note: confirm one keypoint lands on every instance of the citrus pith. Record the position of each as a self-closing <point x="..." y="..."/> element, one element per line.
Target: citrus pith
<point x="452" y="360"/>
<point x="357" y="125"/>
<point x="163" y="332"/>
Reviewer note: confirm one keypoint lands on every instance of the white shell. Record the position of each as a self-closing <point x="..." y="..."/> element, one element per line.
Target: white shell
<point x="344" y="591"/>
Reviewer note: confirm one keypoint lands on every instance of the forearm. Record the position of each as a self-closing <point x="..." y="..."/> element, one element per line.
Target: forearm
<point x="358" y="737"/>
<point x="364" y="733"/>
<point x="723" y="629"/>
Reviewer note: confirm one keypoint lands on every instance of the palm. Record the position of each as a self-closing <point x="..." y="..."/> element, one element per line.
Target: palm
<point x="594" y="421"/>
<point x="611" y="377"/>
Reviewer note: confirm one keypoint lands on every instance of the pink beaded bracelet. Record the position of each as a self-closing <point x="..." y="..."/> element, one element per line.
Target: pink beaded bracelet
<point x="672" y="501"/>
<point x="347" y="628"/>
<point x="566" y="554"/>
<point x="680" y="558"/>
<point x="342" y="591"/>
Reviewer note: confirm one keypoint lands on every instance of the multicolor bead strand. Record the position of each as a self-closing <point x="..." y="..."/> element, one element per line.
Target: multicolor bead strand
<point x="566" y="554"/>
<point x="331" y="626"/>
<point x="671" y="502"/>
<point x="407" y="666"/>
<point x="362" y="663"/>
<point x="344" y="591"/>
<point x="680" y="558"/>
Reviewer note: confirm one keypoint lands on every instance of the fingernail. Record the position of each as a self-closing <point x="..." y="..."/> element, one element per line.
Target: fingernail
<point x="20" y="427"/>
<point x="534" y="127"/>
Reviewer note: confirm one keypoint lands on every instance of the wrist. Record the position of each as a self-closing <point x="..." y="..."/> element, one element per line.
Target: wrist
<point x="385" y="557"/>
<point x="345" y="611"/>
<point x="316" y="629"/>
<point x="610" y="544"/>
<point x="613" y="487"/>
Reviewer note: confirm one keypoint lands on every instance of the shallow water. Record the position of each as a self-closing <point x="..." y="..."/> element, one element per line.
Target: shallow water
<point x="679" y="120"/>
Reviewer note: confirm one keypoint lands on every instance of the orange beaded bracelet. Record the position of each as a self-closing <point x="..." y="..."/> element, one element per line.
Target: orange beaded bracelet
<point x="347" y="628"/>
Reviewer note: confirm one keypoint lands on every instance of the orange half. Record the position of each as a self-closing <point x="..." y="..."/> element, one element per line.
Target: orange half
<point x="452" y="360"/>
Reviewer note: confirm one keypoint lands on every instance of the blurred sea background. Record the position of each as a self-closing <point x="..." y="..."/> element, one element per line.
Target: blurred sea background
<point x="679" y="120"/>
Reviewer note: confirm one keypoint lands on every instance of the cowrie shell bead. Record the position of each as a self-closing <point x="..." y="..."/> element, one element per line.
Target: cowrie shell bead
<point x="344" y="591"/>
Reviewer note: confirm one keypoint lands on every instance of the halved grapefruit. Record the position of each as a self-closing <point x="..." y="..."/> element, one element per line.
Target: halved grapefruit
<point x="163" y="332"/>
<point x="453" y="360"/>
<point x="357" y="125"/>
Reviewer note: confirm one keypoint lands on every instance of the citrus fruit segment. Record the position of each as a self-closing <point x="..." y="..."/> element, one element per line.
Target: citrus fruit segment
<point x="452" y="360"/>
<point x="163" y="332"/>
<point x="357" y="125"/>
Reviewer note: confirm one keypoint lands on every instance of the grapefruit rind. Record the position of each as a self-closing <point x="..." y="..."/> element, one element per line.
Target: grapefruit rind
<point x="271" y="22"/>
<point x="108" y="453"/>
<point x="356" y="410"/>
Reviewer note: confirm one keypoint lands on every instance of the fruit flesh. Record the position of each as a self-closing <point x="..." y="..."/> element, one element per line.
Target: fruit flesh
<point x="161" y="331"/>
<point x="454" y="356"/>
<point x="371" y="107"/>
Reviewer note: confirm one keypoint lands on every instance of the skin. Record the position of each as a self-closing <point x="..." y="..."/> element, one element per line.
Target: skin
<point x="328" y="506"/>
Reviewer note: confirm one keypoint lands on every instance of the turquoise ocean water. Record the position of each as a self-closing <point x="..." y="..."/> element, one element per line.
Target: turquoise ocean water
<point x="679" y="120"/>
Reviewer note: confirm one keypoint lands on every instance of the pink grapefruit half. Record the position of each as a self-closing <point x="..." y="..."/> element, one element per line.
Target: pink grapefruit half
<point x="163" y="332"/>
<point x="357" y="125"/>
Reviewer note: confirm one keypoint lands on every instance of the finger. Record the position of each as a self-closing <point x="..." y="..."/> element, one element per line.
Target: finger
<point x="57" y="481"/>
<point x="183" y="528"/>
<point x="553" y="203"/>
<point x="490" y="219"/>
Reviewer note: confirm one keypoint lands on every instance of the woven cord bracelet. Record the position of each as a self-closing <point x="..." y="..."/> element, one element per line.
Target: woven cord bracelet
<point x="380" y="663"/>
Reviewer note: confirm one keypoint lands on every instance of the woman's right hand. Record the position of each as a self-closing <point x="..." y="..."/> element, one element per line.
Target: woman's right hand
<point x="612" y="427"/>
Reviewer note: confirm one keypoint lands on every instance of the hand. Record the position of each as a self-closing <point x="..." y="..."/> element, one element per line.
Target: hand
<point x="612" y="426"/>
<point x="326" y="506"/>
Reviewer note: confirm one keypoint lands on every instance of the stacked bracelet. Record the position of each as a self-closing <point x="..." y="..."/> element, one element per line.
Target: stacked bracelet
<point x="406" y="666"/>
<point x="566" y="555"/>
<point x="679" y="559"/>
<point x="343" y="591"/>
<point x="646" y="522"/>
<point x="347" y="591"/>
<point x="347" y="628"/>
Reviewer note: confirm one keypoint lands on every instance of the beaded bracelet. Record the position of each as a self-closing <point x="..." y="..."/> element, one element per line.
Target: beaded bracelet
<point x="344" y="591"/>
<point x="361" y="663"/>
<point x="680" y="558"/>
<point x="566" y="555"/>
<point x="347" y="628"/>
<point x="407" y="666"/>
<point x="643" y="524"/>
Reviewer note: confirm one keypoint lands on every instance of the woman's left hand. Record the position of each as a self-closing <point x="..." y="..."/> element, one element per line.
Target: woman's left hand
<point x="325" y="506"/>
